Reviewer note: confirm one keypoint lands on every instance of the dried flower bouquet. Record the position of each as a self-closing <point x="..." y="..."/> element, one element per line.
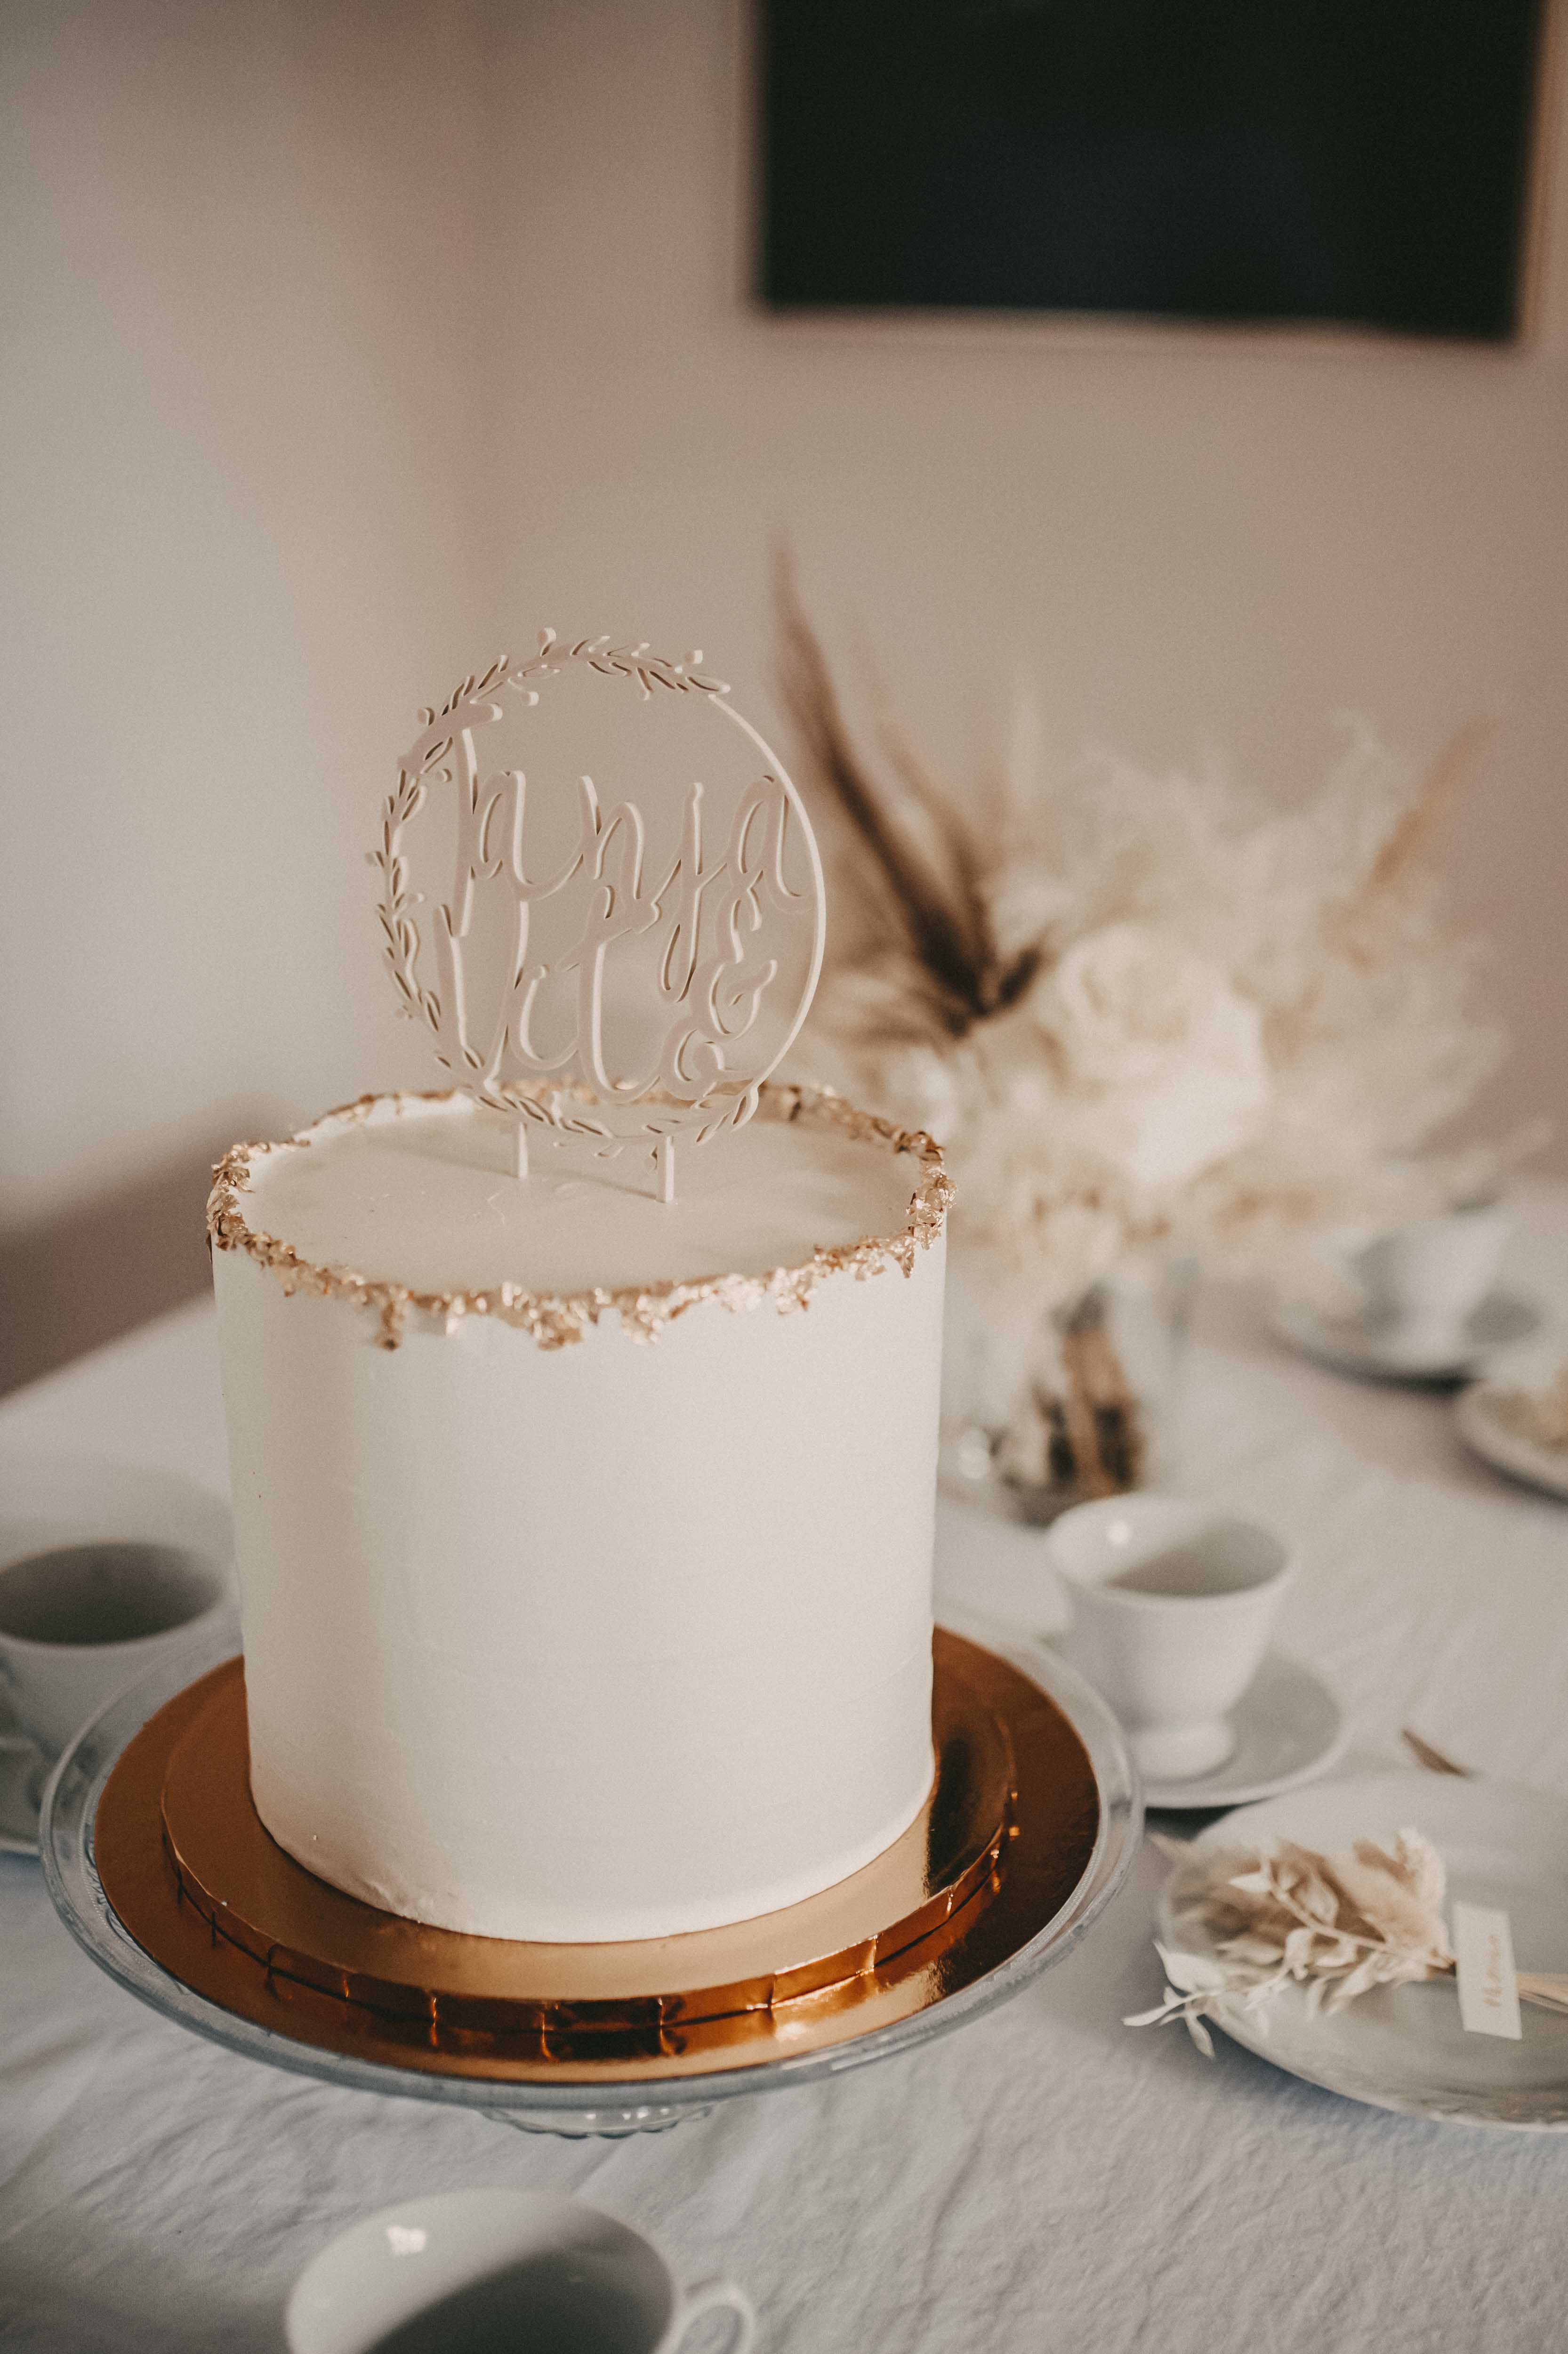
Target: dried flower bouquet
<point x="1148" y="1017"/>
<point x="1338" y="1924"/>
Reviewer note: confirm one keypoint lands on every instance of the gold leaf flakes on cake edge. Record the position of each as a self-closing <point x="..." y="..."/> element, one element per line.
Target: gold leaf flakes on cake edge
<point x="554" y="1320"/>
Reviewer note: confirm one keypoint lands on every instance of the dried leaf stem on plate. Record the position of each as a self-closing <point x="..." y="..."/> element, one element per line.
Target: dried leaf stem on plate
<point x="1338" y="1924"/>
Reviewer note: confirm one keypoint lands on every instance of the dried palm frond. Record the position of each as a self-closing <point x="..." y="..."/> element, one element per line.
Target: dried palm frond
<point x="925" y="869"/>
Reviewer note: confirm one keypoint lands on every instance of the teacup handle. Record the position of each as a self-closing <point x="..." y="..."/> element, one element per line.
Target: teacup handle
<point x="708" y="2297"/>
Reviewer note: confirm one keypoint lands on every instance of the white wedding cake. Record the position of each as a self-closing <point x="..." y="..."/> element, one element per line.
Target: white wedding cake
<point x="583" y="1500"/>
<point x="598" y="1637"/>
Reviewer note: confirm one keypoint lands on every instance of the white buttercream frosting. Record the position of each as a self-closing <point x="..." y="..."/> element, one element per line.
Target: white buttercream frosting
<point x="413" y="1187"/>
<point x="603" y="1641"/>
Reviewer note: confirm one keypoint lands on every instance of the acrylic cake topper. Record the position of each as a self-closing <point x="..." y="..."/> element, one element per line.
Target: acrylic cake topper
<point x="554" y="1049"/>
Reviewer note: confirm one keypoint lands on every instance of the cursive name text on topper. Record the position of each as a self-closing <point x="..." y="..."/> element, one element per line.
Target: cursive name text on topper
<point x="712" y="1017"/>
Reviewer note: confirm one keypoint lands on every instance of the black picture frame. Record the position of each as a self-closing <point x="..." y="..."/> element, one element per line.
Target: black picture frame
<point x="1363" y="163"/>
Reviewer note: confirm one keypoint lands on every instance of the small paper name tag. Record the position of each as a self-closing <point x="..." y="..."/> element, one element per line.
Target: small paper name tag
<point x="1483" y="1956"/>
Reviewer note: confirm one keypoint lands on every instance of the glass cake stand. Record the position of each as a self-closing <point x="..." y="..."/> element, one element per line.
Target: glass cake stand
<point x="606" y="2107"/>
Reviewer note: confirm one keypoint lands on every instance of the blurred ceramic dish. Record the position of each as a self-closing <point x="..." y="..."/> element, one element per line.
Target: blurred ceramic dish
<point x="1289" y="1729"/>
<point x="1432" y="1273"/>
<point x="501" y="2267"/>
<point x="1173" y="1605"/>
<point x="1486" y="1418"/>
<point x="1368" y="1345"/>
<point x="99" y="1530"/>
<point x="54" y="1498"/>
<point x="79" y="1622"/>
<point x="1403" y="2047"/>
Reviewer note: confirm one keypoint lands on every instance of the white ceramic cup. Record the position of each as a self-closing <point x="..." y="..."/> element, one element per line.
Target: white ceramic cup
<point x="1173" y="1652"/>
<point x="1422" y="1280"/>
<point x="467" y="2270"/>
<point x="79" y="1621"/>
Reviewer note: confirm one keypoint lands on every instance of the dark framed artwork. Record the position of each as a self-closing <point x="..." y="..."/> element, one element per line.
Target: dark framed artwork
<point x="1359" y="162"/>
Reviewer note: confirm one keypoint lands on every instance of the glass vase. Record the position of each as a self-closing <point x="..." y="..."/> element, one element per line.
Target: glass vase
<point x="1044" y="1410"/>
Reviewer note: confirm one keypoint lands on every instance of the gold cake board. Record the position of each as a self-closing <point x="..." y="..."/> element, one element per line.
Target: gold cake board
<point x="1003" y="1840"/>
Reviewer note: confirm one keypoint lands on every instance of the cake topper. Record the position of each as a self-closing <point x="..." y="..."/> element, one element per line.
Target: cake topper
<point x="556" y="1049"/>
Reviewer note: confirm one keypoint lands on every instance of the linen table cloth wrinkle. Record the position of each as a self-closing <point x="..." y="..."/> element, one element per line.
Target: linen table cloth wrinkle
<point x="1044" y="2178"/>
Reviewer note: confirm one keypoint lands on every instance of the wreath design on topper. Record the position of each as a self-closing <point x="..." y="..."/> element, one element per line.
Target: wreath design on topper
<point x="715" y="918"/>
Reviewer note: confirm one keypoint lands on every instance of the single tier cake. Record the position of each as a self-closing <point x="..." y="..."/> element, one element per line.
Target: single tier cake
<point x="585" y="1538"/>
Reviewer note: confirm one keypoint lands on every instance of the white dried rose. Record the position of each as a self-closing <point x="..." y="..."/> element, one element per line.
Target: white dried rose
<point x="922" y="1091"/>
<point x="1167" y="1056"/>
<point x="1028" y="902"/>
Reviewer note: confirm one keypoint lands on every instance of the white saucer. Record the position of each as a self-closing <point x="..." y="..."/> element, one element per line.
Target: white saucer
<point x="1290" y="1728"/>
<point x="1358" y="1344"/>
<point x="1403" y="2047"/>
<point x="1483" y="1428"/>
<point x="23" y="1773"/>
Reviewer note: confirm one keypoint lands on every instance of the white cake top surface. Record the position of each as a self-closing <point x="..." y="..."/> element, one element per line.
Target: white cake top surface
<point x="412" y="1191"/>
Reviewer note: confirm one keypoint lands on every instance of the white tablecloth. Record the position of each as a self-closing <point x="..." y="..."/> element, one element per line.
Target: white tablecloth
<point x="1044" y="2178"/>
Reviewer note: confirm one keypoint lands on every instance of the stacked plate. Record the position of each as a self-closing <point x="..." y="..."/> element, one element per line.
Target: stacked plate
<point x="1516" y="1419"/>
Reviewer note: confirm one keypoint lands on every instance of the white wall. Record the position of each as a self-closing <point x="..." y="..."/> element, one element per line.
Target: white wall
<point x="343" y="344"/>
<point x="238" y="470"/>
<point x="238" y="492"/>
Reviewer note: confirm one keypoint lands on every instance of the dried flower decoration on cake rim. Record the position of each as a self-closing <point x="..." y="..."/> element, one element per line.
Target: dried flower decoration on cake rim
<point x="556" y="1319"/>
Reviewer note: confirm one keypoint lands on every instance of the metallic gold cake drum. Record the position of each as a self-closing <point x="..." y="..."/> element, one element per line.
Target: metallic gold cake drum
<point x="1003" y="1840"/>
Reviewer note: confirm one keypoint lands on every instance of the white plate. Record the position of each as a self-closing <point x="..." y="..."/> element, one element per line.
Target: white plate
<point x="1482" y="1428"/>
<point x="1403" y="2047"/>
<point x="1289" y="1729"/>
<point x="1352" y="1345"/>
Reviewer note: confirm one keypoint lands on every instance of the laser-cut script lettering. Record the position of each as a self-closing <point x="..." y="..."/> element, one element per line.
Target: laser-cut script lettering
<point x="716" y="922"/>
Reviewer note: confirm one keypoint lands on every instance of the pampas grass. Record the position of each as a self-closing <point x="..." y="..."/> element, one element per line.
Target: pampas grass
<point x="1148" y="1013"/>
